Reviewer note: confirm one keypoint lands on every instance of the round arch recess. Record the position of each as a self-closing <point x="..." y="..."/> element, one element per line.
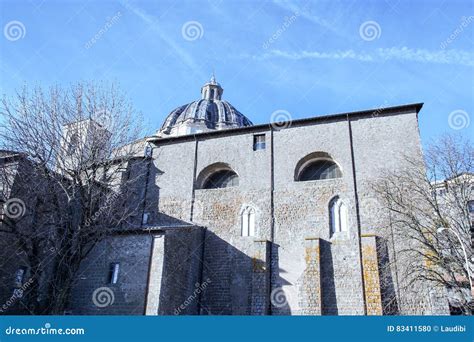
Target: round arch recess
<point x="316" y="166"/>
<point x="217" y="175"/>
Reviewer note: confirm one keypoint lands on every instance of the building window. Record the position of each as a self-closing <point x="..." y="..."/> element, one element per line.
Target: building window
<point x="320" y="169"/>
<point x="114" y="272"/>
<point x="73" y="144"/>
<point x="221" y="179"/>
<point x="470" y="207"/>
<point x="217" y="175"/>
<point x="145" y="218"/>
<point x="259" y="142"/>
<point x="20" y="276"/>
<point x="338" y="217"/>
<point x="148" y="151"/>
<point x="248" y="221"/>
<point x="317" y="166"/>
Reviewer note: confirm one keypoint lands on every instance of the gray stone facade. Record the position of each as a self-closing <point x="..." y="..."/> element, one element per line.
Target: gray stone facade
<point x="287" y="212"/>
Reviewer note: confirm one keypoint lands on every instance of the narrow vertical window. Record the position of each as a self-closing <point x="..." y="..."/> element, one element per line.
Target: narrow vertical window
<point x="148" y="151"/>
<point x="343" y="217"/>
<point x="73" y="144"/>
<point x="245" y="224"/>
<point x="259" y="142"/>
<point x="248" y="222"/>
<point x="20" y="276"/>
<point x="470" y="207"/>
<point x="251" y="216"/>
<point x="114" y="272"/>
<point x="145" y="218"/>
<point x="338" y="216"/>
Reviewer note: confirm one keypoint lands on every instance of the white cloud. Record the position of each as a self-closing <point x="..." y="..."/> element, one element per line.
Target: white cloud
<point x="306" y="12"/>
<point x="453" y="57"/>
<point x="426" y="56"/>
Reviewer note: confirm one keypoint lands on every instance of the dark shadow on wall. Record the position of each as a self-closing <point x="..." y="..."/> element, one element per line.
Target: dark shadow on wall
<point x="387" y="288"/>
<point x="181" y="281"/>
<point x="328" y="287"/>
<point x="279" y="301"/>
<point x="228" y="274"/>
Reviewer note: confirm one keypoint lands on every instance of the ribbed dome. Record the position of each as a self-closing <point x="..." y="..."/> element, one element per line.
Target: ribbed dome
<point x="209" y="113"/>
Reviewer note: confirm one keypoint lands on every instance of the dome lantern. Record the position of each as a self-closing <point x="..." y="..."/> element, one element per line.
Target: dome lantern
<point x="211" y="90"/>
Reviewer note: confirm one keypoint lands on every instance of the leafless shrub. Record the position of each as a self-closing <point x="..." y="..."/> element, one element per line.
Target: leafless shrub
<point x="75" y="157"/>
<point x="423" y="197"/>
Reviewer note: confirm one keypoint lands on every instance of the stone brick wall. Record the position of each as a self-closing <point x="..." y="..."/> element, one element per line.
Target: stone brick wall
<point x="181" y="279"/>
<point x="370" y="262"/>
<point x="312" y="278"/>
<point x="300" y="208"/>
<point x="261" y="278"/>
<point x="171" y="277"/>
<point x="133" y="254"/>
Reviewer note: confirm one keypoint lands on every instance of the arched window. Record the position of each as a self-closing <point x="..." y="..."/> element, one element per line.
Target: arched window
<point x="73" y="144"/>
<point x="338" y="216"/>
<point x="317" y="166"/>
<point x="221" y="179"/>
<point x="248" y="221"/>
<point x="320" y="169"/>
<point x="218" y="175"/>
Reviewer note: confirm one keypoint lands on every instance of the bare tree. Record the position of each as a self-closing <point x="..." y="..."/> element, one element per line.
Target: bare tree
<point x="430" y="222"/>
<point x="83" y="161"/>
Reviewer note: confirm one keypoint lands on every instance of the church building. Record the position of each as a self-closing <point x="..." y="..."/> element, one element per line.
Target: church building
<point x="265" y="219"/>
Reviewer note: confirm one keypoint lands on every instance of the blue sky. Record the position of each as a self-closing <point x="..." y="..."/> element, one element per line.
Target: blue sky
<point x="308" y="58"/>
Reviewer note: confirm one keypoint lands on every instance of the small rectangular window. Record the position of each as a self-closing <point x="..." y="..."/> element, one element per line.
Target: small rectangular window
<point x="145" y="218"/>
<point x="259" y="142"/>
<point x="114" y="272"/>
<point x="20" y="276"/>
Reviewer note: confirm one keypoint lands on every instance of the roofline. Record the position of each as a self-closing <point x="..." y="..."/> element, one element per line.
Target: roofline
<point x="152" y="229"/>
<point x="330" y="117"/>
<point x="12" y="156"/>
<point x="445" y="181"/>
